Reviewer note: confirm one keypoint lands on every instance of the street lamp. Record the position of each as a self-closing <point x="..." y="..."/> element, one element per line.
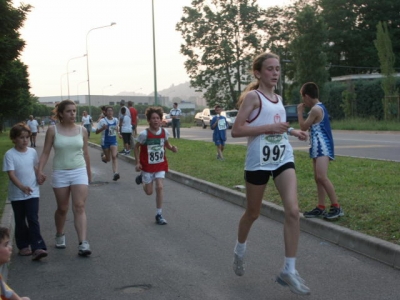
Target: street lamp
<point x="87" y="61"/>
<point x="61" y="81"/>
<point x="154" y="55"/>
<point x="68" y="69"/>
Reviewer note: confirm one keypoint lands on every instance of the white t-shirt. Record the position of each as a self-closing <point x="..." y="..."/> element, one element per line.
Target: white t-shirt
<point x="127" y="112"/>
<point x="22" y="163"/>
<point x="86" y="120"/>
<point x="126" y="126"/>
<point x="33" y="125"/>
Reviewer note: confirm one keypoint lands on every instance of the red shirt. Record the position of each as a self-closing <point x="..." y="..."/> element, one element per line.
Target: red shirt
<point x="133" y="112"/>
<point x="152" y="153"/>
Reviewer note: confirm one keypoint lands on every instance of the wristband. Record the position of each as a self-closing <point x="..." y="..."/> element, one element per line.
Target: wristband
<point x="290" y="130"/>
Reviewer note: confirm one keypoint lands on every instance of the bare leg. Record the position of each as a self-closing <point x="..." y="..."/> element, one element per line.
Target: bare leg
<point x="79" y="195"/>
<point x="324" y="185"/>
<point x="60" y="215"/>
<point x="159" y="192"/>
<point x="114" y="151"/>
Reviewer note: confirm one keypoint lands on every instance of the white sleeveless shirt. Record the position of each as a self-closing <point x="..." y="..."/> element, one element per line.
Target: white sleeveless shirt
<point x="267" y="151"/>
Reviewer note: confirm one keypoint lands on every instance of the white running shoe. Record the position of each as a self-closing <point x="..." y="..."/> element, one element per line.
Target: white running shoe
<point x="60" y="241"/>
<point x="295" y="283"/>
<point x="238" y="265"/>
<point x="84" y="249"/>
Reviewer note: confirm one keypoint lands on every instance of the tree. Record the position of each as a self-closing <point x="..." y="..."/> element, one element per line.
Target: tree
<point x="308" y="47"/>
<point x="383" y="44"/>
<point x="14" y="84"/>
<point x="220" y="44"/>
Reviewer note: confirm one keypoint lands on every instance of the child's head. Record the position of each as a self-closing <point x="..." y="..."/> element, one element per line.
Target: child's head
<point x="151" y="110"/>
<point x="5" y="246"/>
<point x="310" y="89"/>
<point x="123" y="110"/>
<point x="19" y="130"/>
<point x="218" y="109"/>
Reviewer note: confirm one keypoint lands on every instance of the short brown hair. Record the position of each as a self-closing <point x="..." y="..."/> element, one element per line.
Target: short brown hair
<point x="4" y="233"/>
<point x="151" y="110"/>
<point x="17" y="129"/>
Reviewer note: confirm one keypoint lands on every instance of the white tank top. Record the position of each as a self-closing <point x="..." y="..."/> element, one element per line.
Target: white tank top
<point x="267" y="151"/>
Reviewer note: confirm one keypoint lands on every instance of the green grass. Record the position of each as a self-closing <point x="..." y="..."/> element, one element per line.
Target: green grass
<point x="5" y="145"/>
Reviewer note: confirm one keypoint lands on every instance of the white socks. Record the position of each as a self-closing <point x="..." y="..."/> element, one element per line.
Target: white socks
<point x="240" y="249"/>
<point x="290" y="265"/>
<point x="159" y="211"/>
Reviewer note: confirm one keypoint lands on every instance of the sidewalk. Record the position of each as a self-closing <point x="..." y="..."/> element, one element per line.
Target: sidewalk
<point x="191" y="257"/>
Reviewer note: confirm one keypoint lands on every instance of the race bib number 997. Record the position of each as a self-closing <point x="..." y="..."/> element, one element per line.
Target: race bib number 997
<point x="272" y="149"/>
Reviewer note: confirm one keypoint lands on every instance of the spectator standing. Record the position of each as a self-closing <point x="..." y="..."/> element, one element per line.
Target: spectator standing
<point x="122" y="104"/>
<point x="125" y="132"/>
<point x="134" y="118"/>
<point x="34" y="127"/>
<point x="176" y="114"/>
<point x="21" y="163"/>
<point x="321" y="150"/>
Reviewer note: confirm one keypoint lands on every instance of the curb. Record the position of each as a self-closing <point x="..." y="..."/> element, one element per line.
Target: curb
<point x="372" y="247"/>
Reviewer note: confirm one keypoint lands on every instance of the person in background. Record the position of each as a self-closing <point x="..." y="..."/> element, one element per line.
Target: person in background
<point x="219" y="125"/>
<point x="125" y="132"/>
<point x="21" y="163"/>
<point x="151" y="160"/>
<point x="134" y="118"/>
<point x="108" y="126"/>
<point x="122" y="104"/>
<point x="262" y="118"/>
<point x="71" y="172"/>
<point x="321" y="150"/>
<point x="87" y="122"/>
<point x="6" y="292"/>
<point x="34" y="126"/>
<point x="176" y="114"/>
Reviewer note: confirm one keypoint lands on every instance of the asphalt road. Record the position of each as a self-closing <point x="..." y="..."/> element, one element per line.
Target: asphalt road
<point x="374" y="145"/>
<point x="190" y="258"/>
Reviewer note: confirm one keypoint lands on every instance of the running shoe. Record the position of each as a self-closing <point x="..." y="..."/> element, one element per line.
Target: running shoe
<point x="295" y="283"/>
<point x="60" y="241"/>
<point x="138" y="179"/>
<point x="127" y="152"/>
<point x="39" y="254"/>
<point x="103" y="158"/>
<point x="160" y="220"/>
<point x="238" y="265"/>
<point x="315" y="213"/>
<point x="84" y="249"/>
<point x="334" y="213"/>
<point x="122" y="151"/>
<point x="25" y="252"/>
<point x="116" y="176"/>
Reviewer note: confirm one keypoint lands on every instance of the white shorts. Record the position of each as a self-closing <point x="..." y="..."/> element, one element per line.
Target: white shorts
<point x="64" y="178"/>
<point x="149" y="177"/>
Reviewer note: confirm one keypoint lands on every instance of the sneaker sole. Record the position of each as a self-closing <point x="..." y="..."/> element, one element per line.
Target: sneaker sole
<point x="39" y="256"/>
<point x="84" y="253"/>
<point x="334" y="217"/>
<point x="294" y="291"/>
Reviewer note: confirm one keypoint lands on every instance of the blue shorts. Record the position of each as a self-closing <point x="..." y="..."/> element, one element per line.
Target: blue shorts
<point x="219" y="143"/>
<point x="107" y="145"/>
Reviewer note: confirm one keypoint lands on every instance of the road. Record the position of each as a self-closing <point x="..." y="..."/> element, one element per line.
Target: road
<point x="374" y="145"/>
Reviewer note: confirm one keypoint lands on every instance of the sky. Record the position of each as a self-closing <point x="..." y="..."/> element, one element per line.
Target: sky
<point x="56" y="33"/>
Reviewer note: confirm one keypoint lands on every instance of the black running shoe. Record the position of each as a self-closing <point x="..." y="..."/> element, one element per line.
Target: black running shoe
<point x="160" y="220"/>
<point x="315" y="213"/>
<point x="334" y="213"/>
<point x="138" y="179"/>
<point x="116" y="176"/>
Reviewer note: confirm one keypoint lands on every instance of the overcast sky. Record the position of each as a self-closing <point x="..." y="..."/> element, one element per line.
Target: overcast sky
<point x="120" y="56"/>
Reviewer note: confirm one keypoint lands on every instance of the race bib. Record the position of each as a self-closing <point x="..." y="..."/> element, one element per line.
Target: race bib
<point x="221" y="124"/>
<point x="112" y="131"/>
<point x="272" y="149"/>
<point x="155" y="154"/>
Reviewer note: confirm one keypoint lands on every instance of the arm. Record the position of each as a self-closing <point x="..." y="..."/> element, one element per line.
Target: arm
<point x="16" y="297"/>
<point x="86" y="154"/>
<point x="214" y="122"/>
<point x="240" y="128"/>
<point x="48" y="143"/>
<point x="170" y="147"/>
<point x="137" y="158"/>
<point x="313" y="116"/>
<point x="104" y="127"/>
<point x="14" y="179"/>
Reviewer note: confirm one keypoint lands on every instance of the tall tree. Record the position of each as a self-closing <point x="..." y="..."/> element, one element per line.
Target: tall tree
<point x="386" y="56"/>
<point x="308" y="47"/>
<point x="14" y="84"/>
<point x="221" y="39"/>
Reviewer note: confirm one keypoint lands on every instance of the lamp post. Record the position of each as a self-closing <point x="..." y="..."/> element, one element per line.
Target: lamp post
<point x="61" y="81"/>
<point x="154" y="55"/>
<point x="87" y="61"/>
<point x="68" y="69"/>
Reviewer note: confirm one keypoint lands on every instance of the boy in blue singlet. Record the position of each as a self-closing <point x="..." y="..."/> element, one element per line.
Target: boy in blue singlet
<point x="321" y="150"/>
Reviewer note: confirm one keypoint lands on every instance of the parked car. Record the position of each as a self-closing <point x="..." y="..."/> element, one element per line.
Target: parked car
<point x="230" y="116"/>
<point x="198" y="119"/>
<point x="207" y="114"/>
<point x="291" y="113"/>
<point x="166" y="120"/>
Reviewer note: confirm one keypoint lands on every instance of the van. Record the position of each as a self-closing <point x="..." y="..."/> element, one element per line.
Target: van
<point x="207" y="114"/>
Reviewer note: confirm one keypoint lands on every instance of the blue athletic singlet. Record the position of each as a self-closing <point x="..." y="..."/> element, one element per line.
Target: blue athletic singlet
<point x="321" y="140"/>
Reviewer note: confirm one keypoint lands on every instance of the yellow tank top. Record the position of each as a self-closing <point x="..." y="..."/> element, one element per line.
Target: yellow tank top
<point x="68" y="153"/>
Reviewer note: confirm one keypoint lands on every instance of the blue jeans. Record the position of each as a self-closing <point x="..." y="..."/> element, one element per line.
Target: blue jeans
<point x="27" y="228"/>
<point x="176" y="128"/>
<point x="88" y="128"/>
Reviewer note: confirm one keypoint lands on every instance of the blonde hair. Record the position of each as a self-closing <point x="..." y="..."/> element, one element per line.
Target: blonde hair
<point x="257" y="65"/>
